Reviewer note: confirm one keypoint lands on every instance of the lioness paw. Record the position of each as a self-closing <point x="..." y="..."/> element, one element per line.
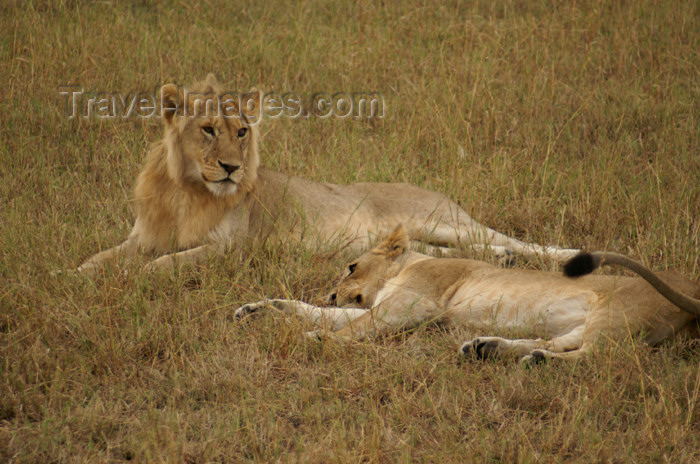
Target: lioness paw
<point x="56" y="273"/>
<point x="482" y="348"/>
<point x="250" y="308"/>
<point x="321" y="334"/>
<point x="535" y="357"/>
<point x="315" y="335"/>
<point x="243" y="311"/>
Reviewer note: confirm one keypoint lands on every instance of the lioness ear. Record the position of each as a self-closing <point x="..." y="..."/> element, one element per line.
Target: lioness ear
<point x="395" y="244"/>
<point x="170" y="100"/>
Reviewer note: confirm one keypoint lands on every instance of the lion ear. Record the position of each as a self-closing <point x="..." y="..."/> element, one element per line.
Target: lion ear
<point x="211" y="80"/>
<point x="171" y="98"/>
<point x="395" y="244"/>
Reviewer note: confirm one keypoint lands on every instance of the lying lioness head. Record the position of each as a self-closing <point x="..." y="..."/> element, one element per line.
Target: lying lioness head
<point x="366" y="276"/>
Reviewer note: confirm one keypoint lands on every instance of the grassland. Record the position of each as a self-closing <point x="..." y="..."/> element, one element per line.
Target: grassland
<point x="575" y="123"/>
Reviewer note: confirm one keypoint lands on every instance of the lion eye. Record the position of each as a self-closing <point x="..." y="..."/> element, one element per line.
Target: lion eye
<point x="242" y="131"/>
<point x="352" y="267"/>
<point x="208" y="130"/>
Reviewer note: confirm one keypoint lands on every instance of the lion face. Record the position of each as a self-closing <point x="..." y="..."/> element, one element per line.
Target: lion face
<point x="211" y="141"/>
<point x="366" y="276"/>
<point x="360" y="283"/>
<point x="217" y="149"/>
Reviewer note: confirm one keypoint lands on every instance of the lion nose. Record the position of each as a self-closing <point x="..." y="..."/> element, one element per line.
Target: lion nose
<point x="332" y="298"/>
<point x="229" y="168"/>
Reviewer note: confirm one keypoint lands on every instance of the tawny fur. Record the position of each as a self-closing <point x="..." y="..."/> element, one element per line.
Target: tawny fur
<point x="189" y="208"/>
<point x="403" y="289"/>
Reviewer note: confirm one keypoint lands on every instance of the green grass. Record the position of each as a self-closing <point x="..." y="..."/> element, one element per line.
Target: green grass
<point x="575" y="123"/>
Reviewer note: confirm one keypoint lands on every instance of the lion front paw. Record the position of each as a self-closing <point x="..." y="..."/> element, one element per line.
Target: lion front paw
<point x="163" y="263"/>
<point x="320" y="334"/>
<point x="535" y="357"/>
<point x="250" y="308"/>
<point x="315" y="335"/>
<point x="60" y="272"/>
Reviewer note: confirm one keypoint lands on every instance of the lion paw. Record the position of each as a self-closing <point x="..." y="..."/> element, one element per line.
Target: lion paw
<point x="482" y="348"/>
<point x="164" y="262"/>
<point x="506" y="258"/>
<point x="535" y="357"/>
<point x="315" y="335"/>
<point x="320" y="334"/>
<point x="60" y="273"/>
<point x="250" y="308"/>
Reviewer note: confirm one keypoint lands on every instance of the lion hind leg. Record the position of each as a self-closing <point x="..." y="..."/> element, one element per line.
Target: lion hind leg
<point x="487" y="347"/>
<point x="434" y="250"/>
<point x="490" y="347"/>
<point x="475" y="235"/>
<point x="496" y="240"/>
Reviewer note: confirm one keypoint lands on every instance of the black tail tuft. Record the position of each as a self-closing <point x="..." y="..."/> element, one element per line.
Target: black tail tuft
<point x="580" y="265"/>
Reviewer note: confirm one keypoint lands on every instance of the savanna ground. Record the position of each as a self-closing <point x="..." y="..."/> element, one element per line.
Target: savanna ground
<point x="575" y="123"/>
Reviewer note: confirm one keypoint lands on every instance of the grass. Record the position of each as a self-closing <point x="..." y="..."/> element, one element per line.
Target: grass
<point x="573" y="123"/>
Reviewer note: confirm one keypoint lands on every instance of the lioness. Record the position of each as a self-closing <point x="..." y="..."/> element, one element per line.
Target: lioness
<point x="404" y="288"/>
<point x="202" y="189"/>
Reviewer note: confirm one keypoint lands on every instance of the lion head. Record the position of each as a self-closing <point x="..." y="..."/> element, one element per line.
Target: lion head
<point x="211" y="136"/>
<point x="205" y="164"/>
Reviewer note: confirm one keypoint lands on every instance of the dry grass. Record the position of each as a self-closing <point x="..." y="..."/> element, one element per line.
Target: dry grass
<point x="559" y="122"/>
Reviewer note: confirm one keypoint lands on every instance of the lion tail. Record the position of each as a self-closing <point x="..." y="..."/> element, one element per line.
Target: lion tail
<point x="585" y="263"/>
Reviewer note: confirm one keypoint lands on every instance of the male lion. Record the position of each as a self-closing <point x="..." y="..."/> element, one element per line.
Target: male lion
<point x="404" y="289"/>
<point x="201" y="189"/>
